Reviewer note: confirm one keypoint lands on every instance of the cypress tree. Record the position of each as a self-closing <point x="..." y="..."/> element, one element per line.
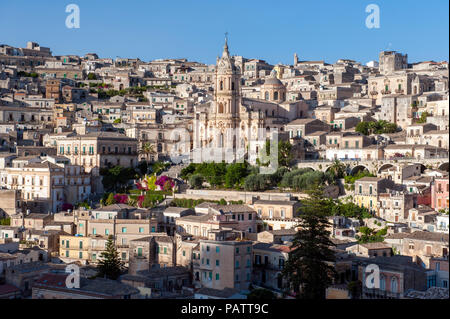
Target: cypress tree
<point x="110" y="265"/>
<point x="308" y="268"/>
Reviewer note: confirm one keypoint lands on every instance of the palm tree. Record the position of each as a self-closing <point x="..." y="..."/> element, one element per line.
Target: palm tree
<point x="337" y="169"/>
<point x="147" y="149"/>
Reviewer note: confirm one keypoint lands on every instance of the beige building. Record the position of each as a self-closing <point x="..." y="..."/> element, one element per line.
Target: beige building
<point x="223" y="264"/>
<point x="99" y="150"/>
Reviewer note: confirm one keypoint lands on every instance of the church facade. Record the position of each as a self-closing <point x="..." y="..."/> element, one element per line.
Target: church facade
<point x="232" y="128"/>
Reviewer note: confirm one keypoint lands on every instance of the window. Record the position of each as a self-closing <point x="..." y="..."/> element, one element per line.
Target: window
<point x="237" y="250"/>
<point x="94" y="256"/>
<point x="141" y="229"/>
<point x="217" y="262"/>
<point x="394" y="285"/>
<point x="139" y="251"/>
<point x="81" y="245"/>
<point x="124" y="229"/>
<point x="237" y="263"/>
<point x="124" y="255"/>
<point x="217" y="276"/>
<point x="80" y="254"/>
<point x="207" y="261"/>
<point x="370" y="189"/>
<point x="67" y="253"/>
<point x="217" y="249"/>
<point x="382" y="283"/>
<point x="207" y="248"/>
<point x="165" y="250"/>
<point x="248" y="249"/>
<point x="360" y="189"/>
<point x="106" y="231"/>
<point x="94" y="231"/>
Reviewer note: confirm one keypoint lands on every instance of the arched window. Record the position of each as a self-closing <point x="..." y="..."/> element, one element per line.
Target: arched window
<point x="394" y="285"/>
<point x="275" y="95"/>
<point x="266" y="96"/>
<point x="220" y="110"/>
<point x="382" y="283"/>
<point x="220" y="140"/>
<point x="221" y="85"/>
<point x="232" y="86"/>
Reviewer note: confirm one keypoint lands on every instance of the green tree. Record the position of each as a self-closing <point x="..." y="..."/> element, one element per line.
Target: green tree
<point x="235" y="174"/>
<point x="308" y="268"/>
<point x="143" y="167"/>
<point x="196" y="181"/>
<point x="110" y="200"/>
<point x="369" y="235"/>
<point x="5" y="221"/>
<point x="116" y="178"/>
<point x="375" y="127"/>
<point x="423" y="117"/>
<point x="147" y="150"/>
<point x="362" y="127"/>
<point x="284" y="153"/>
<point x="337" y="169"/>
<point x="255" y="182"/>
<point x="92" y="76"/>
<point x="110" y="265"/>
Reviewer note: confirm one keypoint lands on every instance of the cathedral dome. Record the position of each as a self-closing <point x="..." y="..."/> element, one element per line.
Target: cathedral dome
<point x="273" y="81"/>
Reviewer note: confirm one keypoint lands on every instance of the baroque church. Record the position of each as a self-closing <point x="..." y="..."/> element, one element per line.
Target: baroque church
<point x="233" y="127"/>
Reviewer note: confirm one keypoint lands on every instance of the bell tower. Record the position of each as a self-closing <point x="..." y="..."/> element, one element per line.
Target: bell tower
<point x="227" y="86"/>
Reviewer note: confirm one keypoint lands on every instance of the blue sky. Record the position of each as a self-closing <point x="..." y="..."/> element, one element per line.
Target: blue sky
<point x="194" y="29"/>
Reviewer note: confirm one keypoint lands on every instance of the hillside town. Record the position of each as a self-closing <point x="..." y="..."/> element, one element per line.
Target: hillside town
<point x="177" y="179"/>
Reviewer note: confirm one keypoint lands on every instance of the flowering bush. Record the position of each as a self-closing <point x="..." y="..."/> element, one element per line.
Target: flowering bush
<point x="147" y="183"/>
<point x="140" y="200"/>
<point x="165" y="183"/>
<point x="121" y="199"/>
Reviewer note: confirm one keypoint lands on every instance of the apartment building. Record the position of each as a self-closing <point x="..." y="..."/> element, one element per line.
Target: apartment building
<point x="223" y="264"/>
<point x="368" y="190"/>
<point x="99" y="150"/>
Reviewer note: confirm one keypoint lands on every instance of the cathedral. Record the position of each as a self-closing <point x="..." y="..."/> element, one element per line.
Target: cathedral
<point x="232" y="128"/>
